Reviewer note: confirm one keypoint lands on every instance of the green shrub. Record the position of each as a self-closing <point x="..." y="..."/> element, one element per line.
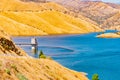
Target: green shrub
<point x="14" y="67"/>
<point x="95" y="77"/>
<point x="7" y="71"/>
<point x="0" y="63"/>
<point x="47" y="67"/>
<point x="41" y="55"/>
<point x="21" y="77"/>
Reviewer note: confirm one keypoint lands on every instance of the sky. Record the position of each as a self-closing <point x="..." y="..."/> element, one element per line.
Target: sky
<point x="114" y="1"/>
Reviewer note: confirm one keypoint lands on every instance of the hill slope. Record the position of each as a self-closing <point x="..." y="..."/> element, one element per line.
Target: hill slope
<point x="42" y="18"/>
<point x="18" y="5"/>
<point x="97" y="11"/>
<point x="36" y="69"/>
<point x="117" y="6"/>
<point x="15" y="28"/>
<point x="113" y="22"/>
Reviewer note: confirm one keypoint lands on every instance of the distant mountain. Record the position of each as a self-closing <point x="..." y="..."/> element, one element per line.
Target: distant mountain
<point x="117" y="6"/>
<point x="95" y="10"/>
<point x="113" y="22"/>
<point x="43" y="1"/>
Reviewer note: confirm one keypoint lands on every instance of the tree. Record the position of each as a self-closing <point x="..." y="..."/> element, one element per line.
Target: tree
<point x="95" y="77"/>
<point x="41" y="55"/>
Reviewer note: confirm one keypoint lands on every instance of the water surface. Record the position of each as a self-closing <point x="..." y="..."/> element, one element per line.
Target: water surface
<point x="84" y="53"/>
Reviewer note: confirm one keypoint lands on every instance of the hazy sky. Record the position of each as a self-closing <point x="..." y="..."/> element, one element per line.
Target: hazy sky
<point x="115" y="1"/>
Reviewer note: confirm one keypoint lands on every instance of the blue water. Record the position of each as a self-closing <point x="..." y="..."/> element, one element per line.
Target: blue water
<point x="84" y="53"/>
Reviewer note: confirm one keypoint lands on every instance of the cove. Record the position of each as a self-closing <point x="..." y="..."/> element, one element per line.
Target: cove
<point x="84" y="53"/>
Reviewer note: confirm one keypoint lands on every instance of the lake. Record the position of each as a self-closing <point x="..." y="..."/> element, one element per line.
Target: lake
<point x="84" y="53"/>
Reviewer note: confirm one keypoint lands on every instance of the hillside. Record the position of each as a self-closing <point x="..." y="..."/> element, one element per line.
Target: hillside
<point x="48" y="23"/>
<point x="109" y="35"/>
<point x="117" y="6"/>
<point x="41" y="19"/>
<point x="36" y="69"/>
<point x="113" y="22"/>
<point x="15" y="28"/>
<point x="7" y="47"/>
<point x="97" y="11"/>
<point x="18" y="5"/>
<point x="16" y="65"/>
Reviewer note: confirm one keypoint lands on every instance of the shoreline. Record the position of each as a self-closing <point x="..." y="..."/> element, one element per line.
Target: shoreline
<point x="63" y="34"/>
<point x="109" y="35"/>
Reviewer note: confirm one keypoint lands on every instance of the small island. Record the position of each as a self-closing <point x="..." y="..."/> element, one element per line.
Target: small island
<point x="109" y="35"/>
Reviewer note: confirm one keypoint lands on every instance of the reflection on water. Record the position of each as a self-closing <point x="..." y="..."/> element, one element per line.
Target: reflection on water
<point x="55" y="51"/>
<point x="82" y="53"/>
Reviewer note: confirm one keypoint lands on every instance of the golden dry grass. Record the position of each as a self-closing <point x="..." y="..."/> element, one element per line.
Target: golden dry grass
<point x="29" y="6"/>
<point x="36" y="69"/>
<point x="15" y="28"/>
<point x="32" y="18"/>
<point x="43" y="23"/>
